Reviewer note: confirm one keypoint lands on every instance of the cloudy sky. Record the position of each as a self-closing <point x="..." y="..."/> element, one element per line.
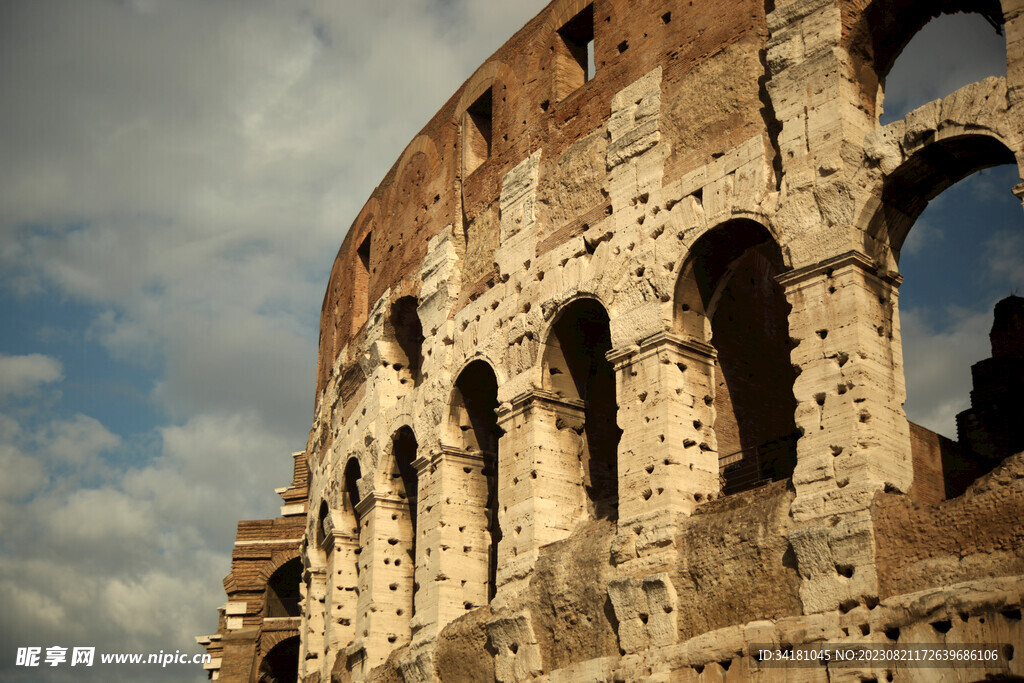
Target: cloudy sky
<point x="176" y="179"/>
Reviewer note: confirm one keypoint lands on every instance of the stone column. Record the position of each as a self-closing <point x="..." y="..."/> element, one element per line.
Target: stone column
<point x="850" y="390"/>
<point x="454" y="544"/>
<point x="342" y="589"/>
<point x="312" y="649"/>
<point x="855" y="441"/>
<point x="386" y="577"/>
<point x="540" y="478"/>
<point x="668" y="459"/>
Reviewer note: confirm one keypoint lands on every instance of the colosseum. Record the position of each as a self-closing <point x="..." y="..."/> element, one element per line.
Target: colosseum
<point x="610" y="381"/>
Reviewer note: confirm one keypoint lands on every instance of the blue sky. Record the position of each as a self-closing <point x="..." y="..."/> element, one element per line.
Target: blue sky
<point x="177" y="178"/>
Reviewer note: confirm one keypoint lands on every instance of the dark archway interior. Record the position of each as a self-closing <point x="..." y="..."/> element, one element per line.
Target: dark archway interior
<point x="754" y="374"/>
<point x="405" y="321"/>
<point x="477" y="390"/>
<point x="583" y="337"/>
<point x="733" y="279"/>
<point x="281" y="665"/>
<point x="322" y="518"/>
<point x="352" y="477"/>
<point x="283" y="590"/>
<point x="351" y="498"/>
<point x="404" y="449"/>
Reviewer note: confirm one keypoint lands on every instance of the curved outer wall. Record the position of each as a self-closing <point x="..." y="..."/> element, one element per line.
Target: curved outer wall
<point x="714" y="140"/>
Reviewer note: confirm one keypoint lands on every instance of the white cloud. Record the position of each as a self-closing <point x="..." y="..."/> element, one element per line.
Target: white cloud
<point x="1006" y="258"/>
<point x="187" y="170"/>
<point x="950" y="51"/>
<point x="79" y="440"/>
<point x="21" y="375"/>
<point x="937" y="363"/>
<point x="23" y="476"/>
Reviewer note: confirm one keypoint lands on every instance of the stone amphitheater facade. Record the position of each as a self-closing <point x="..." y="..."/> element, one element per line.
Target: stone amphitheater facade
<point x="610" y="379"/>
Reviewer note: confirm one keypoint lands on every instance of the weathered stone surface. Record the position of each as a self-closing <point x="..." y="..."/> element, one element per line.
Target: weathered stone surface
<point x="647" y="409"/>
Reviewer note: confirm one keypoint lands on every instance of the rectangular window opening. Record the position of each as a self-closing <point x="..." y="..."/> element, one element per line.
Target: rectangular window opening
<point x="476" y="132"/>
<point x="361" y="284"/>
<point x="574" y="58"/>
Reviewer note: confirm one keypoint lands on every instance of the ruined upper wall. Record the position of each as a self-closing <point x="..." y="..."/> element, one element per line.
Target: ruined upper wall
<point x="711" y="55"/>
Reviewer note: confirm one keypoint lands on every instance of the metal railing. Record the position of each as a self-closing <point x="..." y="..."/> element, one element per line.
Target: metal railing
<point x="749" y="468"/>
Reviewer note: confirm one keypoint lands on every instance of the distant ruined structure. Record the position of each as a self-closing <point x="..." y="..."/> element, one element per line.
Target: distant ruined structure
<point x="610" y="378"/>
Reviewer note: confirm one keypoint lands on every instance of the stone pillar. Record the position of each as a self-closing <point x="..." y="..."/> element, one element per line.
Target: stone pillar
<point x="342" y="592"/>
<point x="668" y="459"/>
<point x="453" y="542"/>
<point x="850" y="390"/>
<point x="386" y="577"/>
<point x="312" y="649"/>
<point x="855" y="441"/>
<point x="540" y="478"/>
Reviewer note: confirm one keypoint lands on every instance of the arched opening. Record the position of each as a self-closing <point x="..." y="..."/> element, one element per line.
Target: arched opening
<point x="281" y="665"/>
<point x="951" y="226"/>
<point x="408" y="331"/>
<point x="404" y="484"/>
<point x="352" y="476"/>
<point x="576" y="367"/>
<point x="879" y="33"/>
<point x="474" y="406"/>
<point x="949" y="52"/>
<point x="728" y="296"/>
<point x="282" y="596"/>
<point x="924" y="176"/>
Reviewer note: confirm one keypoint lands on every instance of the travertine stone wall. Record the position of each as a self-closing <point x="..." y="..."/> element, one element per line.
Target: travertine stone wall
<point x="708" y="130"/>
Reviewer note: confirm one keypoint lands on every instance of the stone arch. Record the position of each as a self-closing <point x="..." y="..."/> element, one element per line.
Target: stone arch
<point x="950" y="154"/>
<point x="727" y="296"/>
<point x="282" y="593"/>
<point x="402" y="488"/>
<point x="402" y="454"/>
<point x="404" y="326"/>
<point x="562" y="11"/>
<point x="281" y="663"/>
<point x="876" y="34"/>
<point x="922" y="176"/>
<point x="575" y="367"/>
<point x="279" y="559"/>
<point x="386" y="481"/>
<point x="473" y="422"/>
<point x="421" y="144"/>
<point x="350" y="488"/>
<point x="480" y="133"/>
